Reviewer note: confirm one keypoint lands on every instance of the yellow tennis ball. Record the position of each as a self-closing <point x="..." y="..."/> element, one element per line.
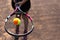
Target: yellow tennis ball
<point x="16" y="21"/>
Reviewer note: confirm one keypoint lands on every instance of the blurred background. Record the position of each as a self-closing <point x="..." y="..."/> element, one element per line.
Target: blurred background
<point x="46" y="16"/>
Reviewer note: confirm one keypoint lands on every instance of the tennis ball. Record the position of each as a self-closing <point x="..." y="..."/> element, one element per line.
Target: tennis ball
<point x="16" y="21"/>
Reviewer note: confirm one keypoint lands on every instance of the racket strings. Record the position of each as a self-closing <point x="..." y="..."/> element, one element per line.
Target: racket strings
<point x="11" y="27"/>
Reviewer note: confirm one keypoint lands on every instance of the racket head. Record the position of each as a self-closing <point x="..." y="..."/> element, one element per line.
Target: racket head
<point x="11" y="28"/>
